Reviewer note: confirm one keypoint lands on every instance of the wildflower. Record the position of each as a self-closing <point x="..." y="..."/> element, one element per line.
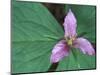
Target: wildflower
<point x="62" y="48"/>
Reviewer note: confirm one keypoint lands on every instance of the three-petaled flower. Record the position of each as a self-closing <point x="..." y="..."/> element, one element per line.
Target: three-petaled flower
<point x="62" y="48"/>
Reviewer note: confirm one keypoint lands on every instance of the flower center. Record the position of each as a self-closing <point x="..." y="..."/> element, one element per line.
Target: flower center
<point x="70" y="40"/>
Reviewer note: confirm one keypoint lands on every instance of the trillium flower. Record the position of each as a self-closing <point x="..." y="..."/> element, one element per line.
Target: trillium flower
<point x="62" y="48"/>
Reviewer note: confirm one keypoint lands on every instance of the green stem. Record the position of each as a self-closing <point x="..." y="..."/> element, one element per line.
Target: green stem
<point x="75" y="54"/>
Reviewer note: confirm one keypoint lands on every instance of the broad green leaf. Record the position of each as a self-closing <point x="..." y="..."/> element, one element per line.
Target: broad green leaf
<point x="34" y="33"/>
<point x="86" y="25"/>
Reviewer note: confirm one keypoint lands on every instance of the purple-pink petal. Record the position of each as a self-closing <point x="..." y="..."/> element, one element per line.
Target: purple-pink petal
<point x="84" y="45"/>
<point x="59" y="51"/>
<point x="70" y="24"/>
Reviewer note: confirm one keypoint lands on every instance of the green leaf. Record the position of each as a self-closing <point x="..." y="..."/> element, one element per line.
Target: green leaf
<point x="86" y="25"/>
<point x="34" y="33"/>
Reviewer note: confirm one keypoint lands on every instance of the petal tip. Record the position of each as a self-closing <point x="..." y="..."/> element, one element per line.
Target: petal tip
<point x="53" y="60"/>
<point x="92" y="52"/>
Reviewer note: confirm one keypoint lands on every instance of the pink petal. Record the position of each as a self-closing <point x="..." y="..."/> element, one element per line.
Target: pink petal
<point x="70" y="24"/>
<point x="84" y="45"/>
<point x="59" y="51"/>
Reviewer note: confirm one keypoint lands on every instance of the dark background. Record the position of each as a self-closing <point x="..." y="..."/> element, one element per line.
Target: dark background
<point x="57" y="11"/>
